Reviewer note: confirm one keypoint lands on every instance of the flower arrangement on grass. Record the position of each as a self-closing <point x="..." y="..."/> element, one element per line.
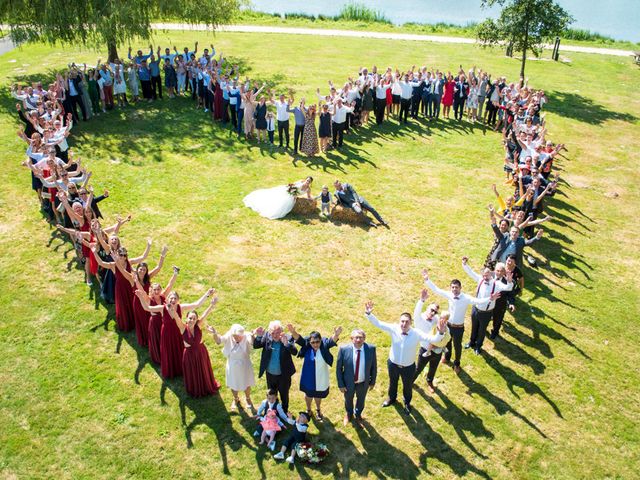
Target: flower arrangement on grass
<point x="311" y="453"/>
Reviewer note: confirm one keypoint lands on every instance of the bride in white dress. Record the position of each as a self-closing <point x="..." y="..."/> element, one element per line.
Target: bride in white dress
<point x="277" y="202"/>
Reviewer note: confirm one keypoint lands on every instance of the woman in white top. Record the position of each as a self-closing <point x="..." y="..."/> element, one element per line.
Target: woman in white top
<point x="277" y="202"/>
<point x="237" y="346"/>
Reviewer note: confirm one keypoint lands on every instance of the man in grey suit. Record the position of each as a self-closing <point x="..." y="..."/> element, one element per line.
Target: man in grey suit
<point x="356" y="370"/>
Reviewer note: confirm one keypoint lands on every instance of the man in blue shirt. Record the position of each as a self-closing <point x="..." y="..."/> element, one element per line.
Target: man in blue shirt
<point x="139" y="58"/>
<point x="145" y="80"/>
<point x="156" y="81"/>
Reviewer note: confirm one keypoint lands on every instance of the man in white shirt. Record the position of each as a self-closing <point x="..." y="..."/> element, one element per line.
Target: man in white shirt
<point x="425" y="322"/>
<point x="406" y="90"/>
<point x="481" y="314"/>
<point x="381" y="88"/>
<point x="356" y="372"/>
<point x="458" y="303"/>
<point x="282" y="116"/>
<point x="402" y="354"/>
<point x="339" y="119"/>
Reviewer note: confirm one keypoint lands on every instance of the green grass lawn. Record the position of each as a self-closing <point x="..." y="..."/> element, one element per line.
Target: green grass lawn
<point x="557" y="398"/>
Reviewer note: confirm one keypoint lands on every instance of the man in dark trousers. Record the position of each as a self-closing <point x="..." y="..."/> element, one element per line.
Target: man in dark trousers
<point x="276" y="359"/>
<point x="460" y="94"/>
<point x="349" y="198"/>
<point x="356" y="371"/>
<point x="437" y="88"/>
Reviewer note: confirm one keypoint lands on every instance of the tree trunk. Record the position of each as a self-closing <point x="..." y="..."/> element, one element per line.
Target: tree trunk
<point x="525" y="47"/>
<point x="113" y="50"/>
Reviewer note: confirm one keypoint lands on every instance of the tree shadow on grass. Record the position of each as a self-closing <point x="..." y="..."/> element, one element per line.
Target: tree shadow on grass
<point x="500" y="405"/>
<point x="584" y="109"/>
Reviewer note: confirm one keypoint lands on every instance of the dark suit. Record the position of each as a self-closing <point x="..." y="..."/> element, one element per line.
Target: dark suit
<point x="437" y="89"/>
<point x="460" y="98"/>
<point x="348" y="196"/>
<point x="77" y="99"/>
<point x="282" y="382"/>
<point x="345" y="374"/>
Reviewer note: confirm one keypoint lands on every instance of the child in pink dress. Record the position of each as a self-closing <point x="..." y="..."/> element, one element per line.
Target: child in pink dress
<point x="270" y="427"/>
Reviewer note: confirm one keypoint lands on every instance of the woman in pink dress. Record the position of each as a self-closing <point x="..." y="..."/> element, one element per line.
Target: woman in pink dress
<point x="447" y="97"/>
<point x="196" y="366"/>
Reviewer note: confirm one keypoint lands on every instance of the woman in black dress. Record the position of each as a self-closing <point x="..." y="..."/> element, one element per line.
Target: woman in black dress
<point x="261" y="119"/>
<point x="324" y="131"/>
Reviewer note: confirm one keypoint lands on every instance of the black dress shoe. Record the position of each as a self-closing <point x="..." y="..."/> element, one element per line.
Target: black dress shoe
<point x="468" y="345"/>
<point x="388" y="403"/>
<point x="493" y="335"/>
<point x="407" y="409"/>
<point x="477" y="351"/>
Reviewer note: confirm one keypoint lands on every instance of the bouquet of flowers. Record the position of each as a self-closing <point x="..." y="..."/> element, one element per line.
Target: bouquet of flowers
<point x="293" y="190"/>
<point x="311" y="453"/>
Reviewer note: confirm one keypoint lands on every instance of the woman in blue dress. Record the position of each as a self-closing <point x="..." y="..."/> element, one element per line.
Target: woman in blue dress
<point x="317" y="358"/>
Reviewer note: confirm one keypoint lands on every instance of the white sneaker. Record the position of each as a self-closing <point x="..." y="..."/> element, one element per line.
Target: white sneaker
<point x="272" y="445"/>
<point x="279" y="456"/>
<point x="289" y="460"/>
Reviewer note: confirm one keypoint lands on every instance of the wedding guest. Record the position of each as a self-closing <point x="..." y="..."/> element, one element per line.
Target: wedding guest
<point x="172" y="342"/>
<point x="309" y="144"/>
<point x="282" y="115"/>
<point x="458" y="303"/>
<point x="298" y="435"/>
<point x="447" y="97"/>
<point x="270" y="404"/>
<point x="324" y="131"/>
<point x="356" y="372"/>
<point x="510" y="268"/>
<point x="317" y="358"/>
<point x="339" y="122"/>
<point x="488" y="284"/>
<point x="325" y="201"/>
<point x="275" y="359"/>
<point x="237" y="345"/>
<point x="199" y="380"/>
<point x="402" y="354"/>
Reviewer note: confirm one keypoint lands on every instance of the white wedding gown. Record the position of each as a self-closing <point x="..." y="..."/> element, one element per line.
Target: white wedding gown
<point x="271" y="203"/>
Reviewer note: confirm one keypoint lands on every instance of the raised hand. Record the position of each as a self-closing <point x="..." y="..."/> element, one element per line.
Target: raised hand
<point x="214" y="300"/>
<point x="211" y="330"/>
<point x="495" y="296"/>
<point x="539" y="234"/>
<point x="424" y="295"/>
<point x="164" y="251"/>
<point x="337" y="331"/>
<point x="465" y="260"/>
<point x="291" y="328"/>
<point x="211" y="292"/>
<point x="176" y="270"/>
<point x="425" y="274"/>
<point x="258" y="332"/>
<point x="368" y="307"/>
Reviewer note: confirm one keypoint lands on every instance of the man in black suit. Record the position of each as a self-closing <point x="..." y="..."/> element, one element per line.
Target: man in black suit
<point x="276" y="359"/>
<point x="460" y="94"/>
<point x="437" y="89"/>
<point x="356" y="371"/>
<point x="349" y="198"/>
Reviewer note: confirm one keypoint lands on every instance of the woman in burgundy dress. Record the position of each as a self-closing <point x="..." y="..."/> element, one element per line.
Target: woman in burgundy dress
<point x="156" y="297"/>
<point x="171" y="344"/>
<point x="121" y="266"/>
<point x="217" y="99"/>
<point x="447" y="98"/>
<point x="196" y="366"/>
<point x="142" y="280"/>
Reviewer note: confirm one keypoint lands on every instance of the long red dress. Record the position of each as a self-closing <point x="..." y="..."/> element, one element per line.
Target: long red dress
<point x="141" y="318"/>
<point x="93" y="263"/>
<point x="198" y="374"/>
<point x="217" y="101"/>
<point x="447" y="98"/>
<point x="171" y="345"/>
<point x="154" y="332"/>
<point x="124" y="301"/>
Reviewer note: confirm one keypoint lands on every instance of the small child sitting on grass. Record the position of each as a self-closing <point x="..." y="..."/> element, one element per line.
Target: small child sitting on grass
<point x="270" y="412"/>
<point x="298" y="435"/>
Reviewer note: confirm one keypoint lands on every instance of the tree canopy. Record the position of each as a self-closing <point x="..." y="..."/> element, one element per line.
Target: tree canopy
<point x="524" y="25"/>
<point x="110" y="22"/>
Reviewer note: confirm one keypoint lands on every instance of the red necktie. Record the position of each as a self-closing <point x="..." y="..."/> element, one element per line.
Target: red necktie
<point x="357" y="365"/>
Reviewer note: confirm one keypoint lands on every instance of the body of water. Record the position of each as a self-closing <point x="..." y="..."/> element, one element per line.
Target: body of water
<point x="619" y="19"/>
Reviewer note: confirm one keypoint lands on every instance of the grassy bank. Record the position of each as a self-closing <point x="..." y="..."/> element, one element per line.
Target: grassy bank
<point x="572" y="37"/>
<point x="81" y="400"/>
